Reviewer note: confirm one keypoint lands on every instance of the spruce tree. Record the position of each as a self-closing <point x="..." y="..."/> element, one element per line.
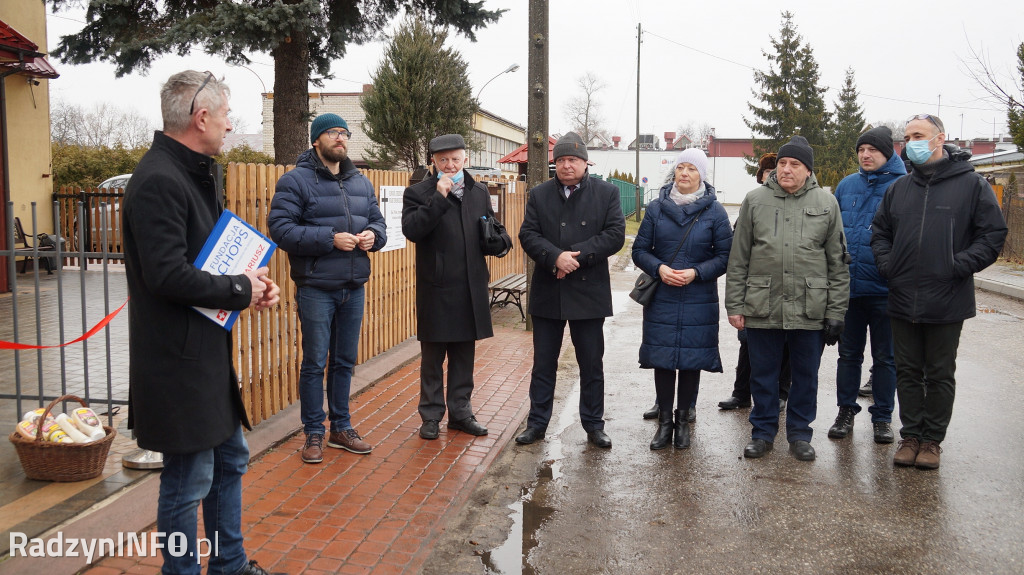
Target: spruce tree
<point x="302" y="36"/>
<point x="420" y="90"/>
<point x="790" y="100"/>
<point x="839" y="158"/>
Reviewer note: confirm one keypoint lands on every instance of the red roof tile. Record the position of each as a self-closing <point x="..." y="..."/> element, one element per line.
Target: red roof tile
<point x="19" y="53"/>
<point x="518" y="156"/>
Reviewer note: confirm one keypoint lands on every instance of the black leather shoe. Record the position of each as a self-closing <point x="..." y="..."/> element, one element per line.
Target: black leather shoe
<point x="865" y="390"/>
<point x="253" y="569"/>
<point x="883" y="432"/>
<point x="599" y="438"/>
<point x="733" y="403"/>
<point x="691" y="414"/>
<point x="529" y="435"/>
<point x="429" y="429"/>
<point x="651" y="413"/>
<point x="468" y="425"/>
<point x="802" y="450"/>
<point x="757" y="448"/>
<point x="844" y="423"/>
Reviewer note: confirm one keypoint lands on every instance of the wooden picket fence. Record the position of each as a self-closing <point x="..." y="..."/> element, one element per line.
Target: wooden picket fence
<point x="269" y="342"/>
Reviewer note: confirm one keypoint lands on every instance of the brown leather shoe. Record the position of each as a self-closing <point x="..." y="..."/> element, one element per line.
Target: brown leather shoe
<point x="907" y="453"/>
<point x="348" y="440"/>
<point x="313" y="451"/>
<point x="928" y="455"/>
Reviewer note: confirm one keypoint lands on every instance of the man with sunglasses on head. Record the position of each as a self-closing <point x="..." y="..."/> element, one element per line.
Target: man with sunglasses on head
<point x="325" y="216"/>
<point x="183" y="390"/>
<point x="934" y="229"/>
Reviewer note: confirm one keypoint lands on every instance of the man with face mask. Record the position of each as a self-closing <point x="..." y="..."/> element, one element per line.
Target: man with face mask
<point x="934" y="229"/>
<point x="441" y="216"/>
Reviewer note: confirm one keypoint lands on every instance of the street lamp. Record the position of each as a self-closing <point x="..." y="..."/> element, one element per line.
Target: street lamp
<point x="511" y="68"/>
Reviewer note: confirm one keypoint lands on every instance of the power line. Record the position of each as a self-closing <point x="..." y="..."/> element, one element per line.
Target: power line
<point x="699" y="50"/>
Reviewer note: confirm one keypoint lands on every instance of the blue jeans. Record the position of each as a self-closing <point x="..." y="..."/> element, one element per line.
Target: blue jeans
<point x="214" y="478"/>
<point x="864" y="313"/>
<point x="766" y="352"/>
<point x="330" y="323"/>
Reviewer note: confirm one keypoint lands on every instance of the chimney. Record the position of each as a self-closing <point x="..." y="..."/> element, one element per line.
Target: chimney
<point x="616" y="140"/>
<point x="670" y="137"/>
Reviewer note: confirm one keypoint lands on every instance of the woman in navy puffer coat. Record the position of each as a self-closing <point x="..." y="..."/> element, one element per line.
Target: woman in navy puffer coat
<point x="680" y="329"/>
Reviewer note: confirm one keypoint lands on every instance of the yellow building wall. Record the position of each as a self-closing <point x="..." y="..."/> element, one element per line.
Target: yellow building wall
<point x="490" y="126"/>
<point x="28" y="124"/>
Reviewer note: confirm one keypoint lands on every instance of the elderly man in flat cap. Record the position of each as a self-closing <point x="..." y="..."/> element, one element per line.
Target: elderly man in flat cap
<point x="573" y="224"/>
<point x="441" y="216"/>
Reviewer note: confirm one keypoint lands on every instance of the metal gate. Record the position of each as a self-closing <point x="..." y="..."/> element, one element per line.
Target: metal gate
<point x="50" y="305"/>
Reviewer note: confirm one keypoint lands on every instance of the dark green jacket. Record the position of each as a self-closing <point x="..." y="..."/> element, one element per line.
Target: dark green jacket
<point x="786" y="268"/>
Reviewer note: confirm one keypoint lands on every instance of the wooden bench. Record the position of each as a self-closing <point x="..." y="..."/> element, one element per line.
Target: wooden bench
<point x="29" y="252"/>
<point x="509" y="290"/>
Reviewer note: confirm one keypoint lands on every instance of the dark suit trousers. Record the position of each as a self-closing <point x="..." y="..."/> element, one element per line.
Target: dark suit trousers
<point x="588" y="339"/>
<point x="461" y="355"/>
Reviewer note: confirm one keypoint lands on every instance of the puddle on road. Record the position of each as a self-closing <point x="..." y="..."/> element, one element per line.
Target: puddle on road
<point x="513" y="556"/>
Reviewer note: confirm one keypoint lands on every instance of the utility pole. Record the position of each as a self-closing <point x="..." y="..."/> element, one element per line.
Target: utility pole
<point x="537" y="114"/>
<point x="636" y="179"/>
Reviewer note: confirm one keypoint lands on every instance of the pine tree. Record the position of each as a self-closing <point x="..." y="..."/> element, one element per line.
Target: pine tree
<point x="790" y="100"/>
<point x="420" y="90"/>
<point x="302" y="36"/>
<point x="1015" y="107"/>
<point x="839" y="158"/>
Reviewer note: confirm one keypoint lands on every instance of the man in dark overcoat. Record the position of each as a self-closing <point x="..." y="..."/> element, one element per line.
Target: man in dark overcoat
<point x="441" y="215"/>
<point x="573" y="224"/>
<point x="184" y="399"/>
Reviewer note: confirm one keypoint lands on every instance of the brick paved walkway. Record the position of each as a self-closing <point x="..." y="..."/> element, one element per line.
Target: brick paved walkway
<point x="382" y="512"/>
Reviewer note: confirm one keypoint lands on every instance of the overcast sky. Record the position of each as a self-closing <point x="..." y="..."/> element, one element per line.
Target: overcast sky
<point x="697" y="62"/>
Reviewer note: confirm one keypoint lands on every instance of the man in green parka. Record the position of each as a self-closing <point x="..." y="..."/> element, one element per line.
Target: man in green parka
<point x="787" y="282"/>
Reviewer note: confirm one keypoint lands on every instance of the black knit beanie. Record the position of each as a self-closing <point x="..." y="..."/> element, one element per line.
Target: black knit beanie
<point x="880" y="138"/>
<point x="798" y="147"/>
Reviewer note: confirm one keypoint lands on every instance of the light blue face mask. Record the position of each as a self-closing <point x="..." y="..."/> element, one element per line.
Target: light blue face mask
<point x="456" y="178"/>
<point x="918" y="151"/>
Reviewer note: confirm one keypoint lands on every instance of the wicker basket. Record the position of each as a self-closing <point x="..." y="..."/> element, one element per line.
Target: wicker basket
<point x="49" y="461"/>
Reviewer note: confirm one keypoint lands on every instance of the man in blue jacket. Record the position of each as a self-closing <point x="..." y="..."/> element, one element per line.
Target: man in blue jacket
<point x="859" y="195"/>
<point x="934" y="229"/>
<point x="325" y="215"/>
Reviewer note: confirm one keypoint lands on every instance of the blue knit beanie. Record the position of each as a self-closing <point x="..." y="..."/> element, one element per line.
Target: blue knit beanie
<point x="325" y="122"/>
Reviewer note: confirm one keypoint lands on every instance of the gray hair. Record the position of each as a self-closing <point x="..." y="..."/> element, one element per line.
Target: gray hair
<point x="181" y="89"/>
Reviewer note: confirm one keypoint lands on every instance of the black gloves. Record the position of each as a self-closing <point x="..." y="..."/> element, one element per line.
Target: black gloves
<point x="833" y="329"/>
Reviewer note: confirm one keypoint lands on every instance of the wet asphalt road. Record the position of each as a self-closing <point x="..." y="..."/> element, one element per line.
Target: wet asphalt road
<point x="564" y="507"/>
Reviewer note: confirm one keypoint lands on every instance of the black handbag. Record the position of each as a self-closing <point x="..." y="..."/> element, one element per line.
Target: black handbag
<point x="645" y="286"/>
<point x="494" y="239"/>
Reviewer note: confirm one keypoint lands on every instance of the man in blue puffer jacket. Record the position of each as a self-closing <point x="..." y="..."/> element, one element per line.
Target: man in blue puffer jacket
<point x="859" y="195"/>
<point x="325" y="215"/>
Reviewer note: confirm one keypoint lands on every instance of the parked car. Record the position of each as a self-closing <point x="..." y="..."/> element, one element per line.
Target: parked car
<point x="115" y="183"/>
<point x="483" y="171"/>
<point x="94" y="235"/>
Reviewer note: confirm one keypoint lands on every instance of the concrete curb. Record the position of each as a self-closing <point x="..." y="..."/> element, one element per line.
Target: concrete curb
<point x="134" y="508"/>
<point x="994" y="286"/>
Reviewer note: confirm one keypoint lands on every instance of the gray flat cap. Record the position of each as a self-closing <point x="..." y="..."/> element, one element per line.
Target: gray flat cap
<point x="447" y="142"/>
